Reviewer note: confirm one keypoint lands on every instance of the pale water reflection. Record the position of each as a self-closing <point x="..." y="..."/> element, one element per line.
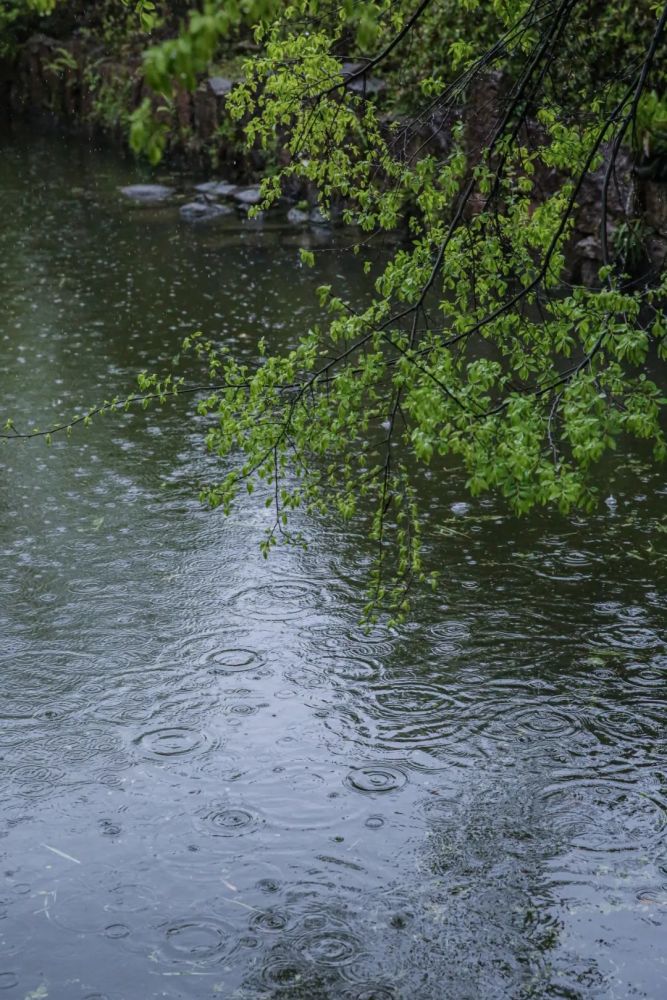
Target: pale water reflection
<point x="213" y="783"/>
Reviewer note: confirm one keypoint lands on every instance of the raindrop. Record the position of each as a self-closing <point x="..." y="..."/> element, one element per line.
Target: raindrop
<point x="376" y="778"/>
<point x="268" y="920"/>
<point x="371" y="991"/>
<point x="34" y="777"/>
<point x="282" y="974"/>
<point x="333" y="948"/>
<point x="231" y="661"/>
<point x="226" y="821"/>
<point x="197" y="940"/>
<point x="546" y="722"/>
<point x="117" y="931"/>
<point x="176" y="741"/>
<point x="268" y="885"/>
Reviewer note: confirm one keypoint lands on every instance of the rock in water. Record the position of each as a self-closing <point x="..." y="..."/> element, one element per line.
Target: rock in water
<point x="248" y="195"/>
<point x="297" y="216"/>
<point x="318" y="218"/>
<point x="203" y="211"/>
<point x="219" y="189"/>
<point x="147" y="194"/>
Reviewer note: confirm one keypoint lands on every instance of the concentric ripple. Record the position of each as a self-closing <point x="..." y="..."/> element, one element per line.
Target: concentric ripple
<point x="279" y="600"/>
<point x="173" y="741"/>
<point x="234" y="660"/>
<point x="315" y="785"/>
<point x="198" y="940"/>
<point x="76" y="746"/>
<point x="329" y="948"/>
<point x="546" y="722"/>
<point x="283" y="974"/>
<point x="269" y="885"/>
<point x="226" y="821"/>
<point x="130" y="897"/>
<point x="371" y="991"/>
<point x="374" y="778"/>
<point x="116" y="932"/>
<point x="350" y="669"/>
<point x="36" y="779"/>
<point x="224" y="651"/>
<point x="606" y="817"/>
<point x="416" y="714"/>
<point x="271" y="921"/>
<point x="627" y="637"/>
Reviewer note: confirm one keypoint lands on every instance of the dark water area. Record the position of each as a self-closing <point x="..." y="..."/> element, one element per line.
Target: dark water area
<point x="212" y="782"/>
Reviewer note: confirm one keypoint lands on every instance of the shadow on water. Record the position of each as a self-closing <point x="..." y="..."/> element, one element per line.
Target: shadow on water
<point x="214" y="784"/>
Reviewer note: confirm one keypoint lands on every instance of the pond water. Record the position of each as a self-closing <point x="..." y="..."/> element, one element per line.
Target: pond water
<point x="213" y="784"/>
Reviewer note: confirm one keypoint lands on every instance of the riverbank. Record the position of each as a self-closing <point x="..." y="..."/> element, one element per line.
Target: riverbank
<point x="80" y="85"/>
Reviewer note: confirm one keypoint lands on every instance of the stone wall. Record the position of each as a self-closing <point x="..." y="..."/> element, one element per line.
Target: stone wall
<point x="55" y="77"/>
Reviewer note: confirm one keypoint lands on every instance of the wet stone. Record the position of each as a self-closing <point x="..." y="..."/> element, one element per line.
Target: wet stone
<point x="220" y="85"/>
<point x="248" y="195"/>
<point x="367" y="86"/>
<point x="297" y="216"/>
<point x="318" y="218"/>
<point x="147" y="194"/>
<point x="203" y="211"/>
<point x="217" y="189"/>
<point x="364" y="85"/>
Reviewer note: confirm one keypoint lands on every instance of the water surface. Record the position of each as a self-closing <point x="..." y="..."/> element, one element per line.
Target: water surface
<point x="213" y="783"/>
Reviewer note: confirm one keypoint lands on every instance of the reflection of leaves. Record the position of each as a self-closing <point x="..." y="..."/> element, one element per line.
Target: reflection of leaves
<point x="605" y="653"/>
<point x="39" y="994"/>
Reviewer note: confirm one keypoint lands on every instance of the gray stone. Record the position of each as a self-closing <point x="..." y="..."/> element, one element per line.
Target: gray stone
<point x="220" y="85"/>
<point x="203" y="211"/>
<point x="318" y="218"/>
<point x="218" y="189"/>
<point x="297" y="216"/>
<point x="589" y="248"/>
<point x="257" y="220"/>
<point x="368" y="86"/>
<point x="248" y="195"/>
<point x="147" y="194"/>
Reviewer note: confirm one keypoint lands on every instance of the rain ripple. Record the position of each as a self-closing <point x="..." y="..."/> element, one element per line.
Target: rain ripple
<point x="606" y="817"/>
<point x="197" y="941"/>
<point x="171" y="741"/>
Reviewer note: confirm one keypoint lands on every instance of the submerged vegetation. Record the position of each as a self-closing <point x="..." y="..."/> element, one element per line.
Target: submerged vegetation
<point x="479" y="130"/>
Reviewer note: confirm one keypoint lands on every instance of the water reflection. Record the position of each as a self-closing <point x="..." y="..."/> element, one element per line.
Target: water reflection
<point x="213" y="782"/>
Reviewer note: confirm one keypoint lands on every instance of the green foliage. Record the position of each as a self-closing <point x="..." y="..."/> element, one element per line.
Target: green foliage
<point x="650" y="127"/>
<point x="145" y="11"/>
<point x="466" y="354"/>
<point x="15" y="17"/>
<point x="471" y="350"/>
<point x="148" y="134"/>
